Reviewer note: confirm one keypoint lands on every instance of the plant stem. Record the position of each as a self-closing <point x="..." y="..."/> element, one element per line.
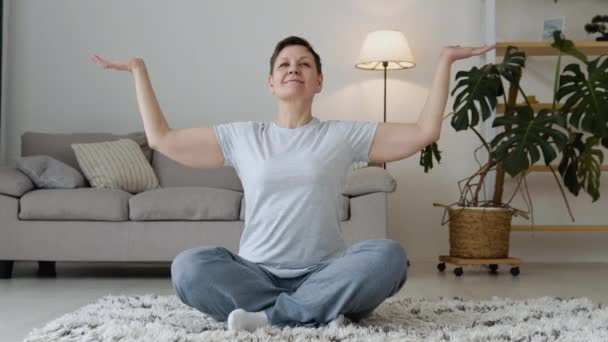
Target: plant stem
<point x="484" y="171"/>
<point x="559" y="60"/>
<point x="482" y="176"/>
<point x="562" y="191"/>
<point x="509" y="108"/>
<point x="516" y="189"/>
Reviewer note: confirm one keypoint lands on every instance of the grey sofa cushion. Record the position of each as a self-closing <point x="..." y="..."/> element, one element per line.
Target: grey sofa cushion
<point x="49" y="173"/>
<point x="367" y="180"/>
<point x="185" y="203"/>
<point x="173" y="174"/>
<point x="13" y="182"/>
<point x="57" y="145"/>
<point x="344" y="209"/>
<point x="84" y="204"/>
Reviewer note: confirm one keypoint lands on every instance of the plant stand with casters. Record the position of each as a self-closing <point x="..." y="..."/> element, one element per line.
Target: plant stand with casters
<point x="492" y="263"/>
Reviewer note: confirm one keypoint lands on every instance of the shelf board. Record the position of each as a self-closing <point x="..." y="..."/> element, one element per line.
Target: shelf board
<point x="500" y="107"/>
<point x="545" y="168"/>
<point x="559" y="228"/>
<point x="588" y="47"/>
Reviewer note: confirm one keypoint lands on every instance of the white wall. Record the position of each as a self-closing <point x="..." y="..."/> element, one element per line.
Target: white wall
<point x="208" y="62"/>
<point x="521" y="20"/>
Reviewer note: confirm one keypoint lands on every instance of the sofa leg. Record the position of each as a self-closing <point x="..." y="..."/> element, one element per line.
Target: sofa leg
<point x="6" y="269"/>
<point x="46" y="269"/>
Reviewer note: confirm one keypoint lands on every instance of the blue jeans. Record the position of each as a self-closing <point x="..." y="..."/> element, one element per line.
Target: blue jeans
<point x="215" y="281"/>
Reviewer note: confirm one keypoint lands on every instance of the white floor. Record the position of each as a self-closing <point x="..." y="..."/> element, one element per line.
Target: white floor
<point x="27" y="302"/>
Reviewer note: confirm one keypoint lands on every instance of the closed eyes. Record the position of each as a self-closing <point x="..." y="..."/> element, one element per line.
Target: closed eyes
<point x="283" y="64"/>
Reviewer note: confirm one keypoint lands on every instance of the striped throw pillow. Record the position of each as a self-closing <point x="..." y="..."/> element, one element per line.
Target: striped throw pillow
<point x="118" y="164"/>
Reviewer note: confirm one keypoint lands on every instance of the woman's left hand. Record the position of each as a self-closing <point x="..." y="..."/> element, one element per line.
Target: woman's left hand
<point x="454" y="53"/>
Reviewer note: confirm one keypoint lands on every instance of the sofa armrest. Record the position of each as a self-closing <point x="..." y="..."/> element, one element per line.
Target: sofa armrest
<point x="368" y="180"/>
<point x="13" y="182"/>
<point x="368" y="220"/>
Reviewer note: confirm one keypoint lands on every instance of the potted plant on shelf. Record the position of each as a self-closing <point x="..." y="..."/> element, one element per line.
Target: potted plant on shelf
<point x="575" y="124"/>
<point x="598" y="25"/>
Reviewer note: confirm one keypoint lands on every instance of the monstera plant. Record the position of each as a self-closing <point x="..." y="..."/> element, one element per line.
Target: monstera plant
<point x="573" y="127"/>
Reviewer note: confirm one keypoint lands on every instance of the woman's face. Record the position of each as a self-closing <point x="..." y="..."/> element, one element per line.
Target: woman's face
<point x="295" y="74"/>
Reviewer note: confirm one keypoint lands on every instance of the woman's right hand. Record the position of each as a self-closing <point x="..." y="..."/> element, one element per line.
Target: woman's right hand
<point x="123" y="65"/>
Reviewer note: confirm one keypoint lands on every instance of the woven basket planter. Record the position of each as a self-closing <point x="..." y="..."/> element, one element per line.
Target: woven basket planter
<point x="480" y="233"/>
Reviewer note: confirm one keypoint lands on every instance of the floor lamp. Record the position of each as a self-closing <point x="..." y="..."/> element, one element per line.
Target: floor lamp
<point x="2" y="52"/>
<point x="385" y="50"/>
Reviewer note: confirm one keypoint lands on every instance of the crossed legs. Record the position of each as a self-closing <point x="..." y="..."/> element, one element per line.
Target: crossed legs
<point x="215" y="281"/>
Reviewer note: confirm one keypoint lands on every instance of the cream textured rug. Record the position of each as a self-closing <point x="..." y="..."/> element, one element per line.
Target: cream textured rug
<point x="165" y="318"/>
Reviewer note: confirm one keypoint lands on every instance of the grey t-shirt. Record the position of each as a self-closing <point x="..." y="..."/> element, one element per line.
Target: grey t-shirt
<point x="293" y="179"/>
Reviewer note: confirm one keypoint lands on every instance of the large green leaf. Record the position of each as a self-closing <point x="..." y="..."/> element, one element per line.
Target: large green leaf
<point x="480" y="87"/>
<point x="589" y="170"/>
<point x="566" y="46"/>
<point x="426" y="156"/>
<point x="568" y="167"/>
<point x="512" y="63"/>
<point x="586" y="98"/>
<point x="529" y="136"/>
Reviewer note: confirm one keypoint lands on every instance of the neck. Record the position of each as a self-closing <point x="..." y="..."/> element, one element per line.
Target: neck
<point x="294" y="114"/>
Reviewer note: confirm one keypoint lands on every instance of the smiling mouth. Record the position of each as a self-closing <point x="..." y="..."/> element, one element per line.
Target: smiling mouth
<point x="294" y="81"/>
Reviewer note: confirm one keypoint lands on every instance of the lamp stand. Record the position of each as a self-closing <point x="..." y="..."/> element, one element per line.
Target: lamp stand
<point x="385" y="65"/>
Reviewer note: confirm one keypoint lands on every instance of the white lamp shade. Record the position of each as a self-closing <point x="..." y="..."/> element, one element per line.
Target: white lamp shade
<point x="385" y="46"/>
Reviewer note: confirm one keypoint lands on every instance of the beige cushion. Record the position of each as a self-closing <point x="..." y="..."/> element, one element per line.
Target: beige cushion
<point x="116" y="164"/>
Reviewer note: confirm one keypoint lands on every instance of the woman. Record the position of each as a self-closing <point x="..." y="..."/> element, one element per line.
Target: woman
<point x="293" y="268"/>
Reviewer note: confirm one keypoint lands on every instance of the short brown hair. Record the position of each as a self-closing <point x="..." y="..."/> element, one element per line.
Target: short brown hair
<point x="293" y="40"/>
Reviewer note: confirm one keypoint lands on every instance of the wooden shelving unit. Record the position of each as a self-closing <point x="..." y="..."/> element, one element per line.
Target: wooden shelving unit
<point x="544" y="168"/>
<point x="559" y="228"/>
<point x="500" y="107"/>
<point x="590" y="48"/>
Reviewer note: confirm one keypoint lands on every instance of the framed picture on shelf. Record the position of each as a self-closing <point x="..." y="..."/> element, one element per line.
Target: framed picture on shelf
<point x="550" y="25"/>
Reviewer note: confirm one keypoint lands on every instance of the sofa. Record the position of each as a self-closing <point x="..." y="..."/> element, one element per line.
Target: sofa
<point x="191" y="207"/>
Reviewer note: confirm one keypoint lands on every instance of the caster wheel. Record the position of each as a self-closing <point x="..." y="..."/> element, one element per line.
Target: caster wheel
<point x="515" y="271"/>
<point x="493" y="268"/>
<point x="441" y="266"/>
<point x="458" y="271"/>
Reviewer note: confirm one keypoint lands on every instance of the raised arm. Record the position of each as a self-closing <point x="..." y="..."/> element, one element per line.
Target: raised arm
<point x="396" y="141"/>
<point x="194" y="147"/>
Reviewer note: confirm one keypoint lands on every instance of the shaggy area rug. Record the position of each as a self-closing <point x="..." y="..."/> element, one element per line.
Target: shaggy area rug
<point x="164" y="318"/>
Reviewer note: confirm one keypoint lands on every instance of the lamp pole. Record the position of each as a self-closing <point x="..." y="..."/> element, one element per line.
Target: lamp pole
<point x="385" y="65"/>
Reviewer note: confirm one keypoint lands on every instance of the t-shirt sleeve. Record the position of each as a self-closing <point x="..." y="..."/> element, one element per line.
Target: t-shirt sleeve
<point x="359" y="135"/>
<point x="227" y="139"/>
